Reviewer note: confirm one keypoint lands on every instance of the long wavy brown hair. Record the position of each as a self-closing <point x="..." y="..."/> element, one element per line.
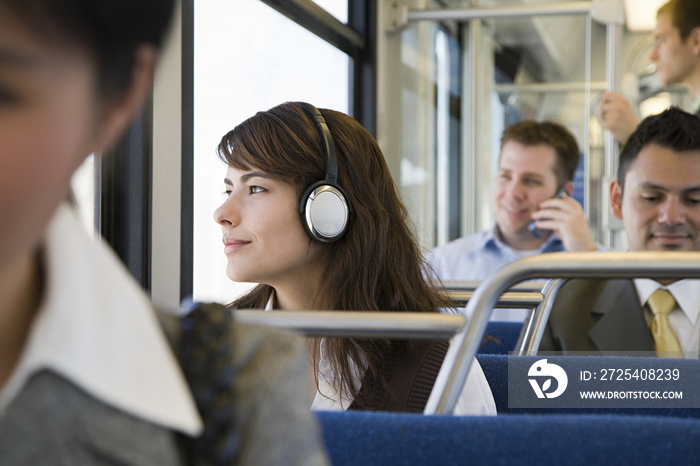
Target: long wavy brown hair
<point x="377" y="265"/>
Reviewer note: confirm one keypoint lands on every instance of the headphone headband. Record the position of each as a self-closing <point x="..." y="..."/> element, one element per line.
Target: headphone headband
<point x="326" y="140"/>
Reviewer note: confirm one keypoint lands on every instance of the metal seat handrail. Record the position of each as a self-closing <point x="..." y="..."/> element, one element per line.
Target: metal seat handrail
<point x="537" y="321"/>
<point x="530" y="286"/>
<point x="358" y="324"/>
<point x="464" y="346"/>
<point x="510" y="299"/>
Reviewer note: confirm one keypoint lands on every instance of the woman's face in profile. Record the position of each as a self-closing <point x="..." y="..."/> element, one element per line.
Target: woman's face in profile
<point x="263" y="237"/>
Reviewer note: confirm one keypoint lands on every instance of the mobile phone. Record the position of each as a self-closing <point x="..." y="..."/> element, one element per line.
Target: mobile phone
<point x="537" y="232"/>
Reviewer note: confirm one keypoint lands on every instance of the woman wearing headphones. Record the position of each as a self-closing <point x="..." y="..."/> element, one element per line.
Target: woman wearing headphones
<point x="312" y="215"/>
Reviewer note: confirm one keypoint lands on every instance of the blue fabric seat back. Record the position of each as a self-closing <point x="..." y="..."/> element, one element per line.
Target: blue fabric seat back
<point x="506" y="333"/>
<point x="364" y="438"/>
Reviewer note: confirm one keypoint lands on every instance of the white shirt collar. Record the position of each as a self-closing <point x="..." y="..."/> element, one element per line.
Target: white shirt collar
<point x="686" y="293"/>
<point x="96" y="327"/>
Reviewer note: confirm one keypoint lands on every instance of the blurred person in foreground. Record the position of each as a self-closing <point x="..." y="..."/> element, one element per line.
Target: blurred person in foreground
<point x="87" y="373"/>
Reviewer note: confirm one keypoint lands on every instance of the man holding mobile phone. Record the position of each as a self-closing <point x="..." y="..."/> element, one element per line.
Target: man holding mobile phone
<point x="537" y="232"/>
<point x="537" y="162"/>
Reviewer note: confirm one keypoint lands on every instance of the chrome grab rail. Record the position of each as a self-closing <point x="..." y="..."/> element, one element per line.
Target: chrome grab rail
<point x="358" y="324"/>
<point x="530" y="286"/>
<point x="521" y="295"/>
<point x="535" y="324"/>
<point x="508" y="300"/>
<point x="464" y="346"/>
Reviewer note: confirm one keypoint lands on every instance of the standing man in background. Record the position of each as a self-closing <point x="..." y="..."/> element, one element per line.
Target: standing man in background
<point x="676" y="54"/>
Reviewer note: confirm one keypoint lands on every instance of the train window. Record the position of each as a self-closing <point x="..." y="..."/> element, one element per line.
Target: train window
<point x="422" y="134"/>
<point x="338" y="8"/>
<point x="448" y="136"/>
<point x="248" y="57"/>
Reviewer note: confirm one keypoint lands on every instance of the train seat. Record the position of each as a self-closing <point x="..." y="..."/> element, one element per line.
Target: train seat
<point x="364" y="438"/>
<point x="507" y="334"/>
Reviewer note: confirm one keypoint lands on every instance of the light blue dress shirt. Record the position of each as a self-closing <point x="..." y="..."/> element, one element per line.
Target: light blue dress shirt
<point x="479" y="256"/>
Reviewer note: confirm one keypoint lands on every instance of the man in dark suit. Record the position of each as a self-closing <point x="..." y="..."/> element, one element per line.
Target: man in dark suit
<point x="657" y="196"/>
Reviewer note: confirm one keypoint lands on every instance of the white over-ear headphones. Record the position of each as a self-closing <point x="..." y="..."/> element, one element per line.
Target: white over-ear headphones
<point x="324" y="208"/>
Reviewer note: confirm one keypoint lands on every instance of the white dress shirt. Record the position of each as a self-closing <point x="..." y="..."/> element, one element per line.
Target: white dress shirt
<point x="97" y="328"/>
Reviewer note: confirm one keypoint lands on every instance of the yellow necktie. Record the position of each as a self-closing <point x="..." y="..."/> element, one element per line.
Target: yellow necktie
<point x="661" y="303"/>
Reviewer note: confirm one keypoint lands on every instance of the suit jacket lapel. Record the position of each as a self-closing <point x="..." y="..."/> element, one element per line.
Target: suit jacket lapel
<point x="622" y="326"/>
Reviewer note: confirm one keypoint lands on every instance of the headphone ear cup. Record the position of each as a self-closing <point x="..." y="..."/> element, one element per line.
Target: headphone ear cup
<point x="324" y="212"/>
